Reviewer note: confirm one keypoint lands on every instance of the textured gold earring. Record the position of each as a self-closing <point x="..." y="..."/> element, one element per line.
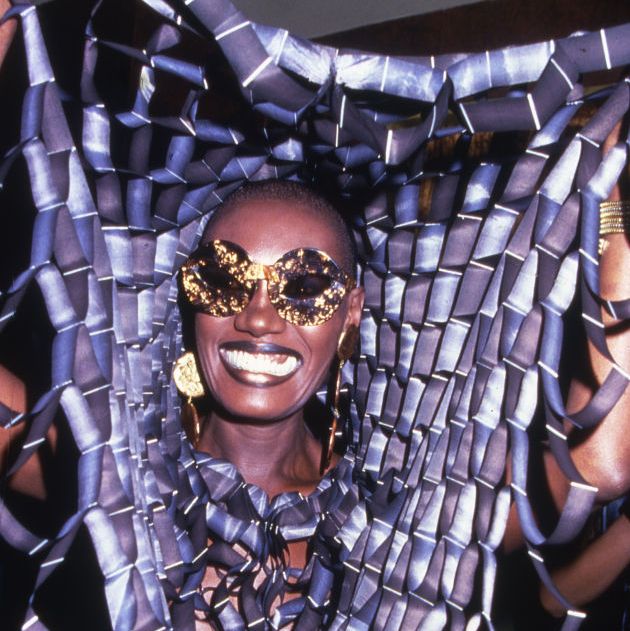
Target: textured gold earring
<point x="188" y="382"/>
<point x="345" y="349"/>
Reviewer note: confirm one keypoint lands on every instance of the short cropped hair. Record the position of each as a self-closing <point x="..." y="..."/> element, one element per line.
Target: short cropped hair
<point x="305" y="196"/>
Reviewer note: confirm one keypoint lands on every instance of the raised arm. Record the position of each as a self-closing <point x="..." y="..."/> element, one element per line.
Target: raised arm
<point x="602" y="456"/>
<point x="29" y="479"/>
<point x="7" y="30"/>
<point x="592" y="572"/>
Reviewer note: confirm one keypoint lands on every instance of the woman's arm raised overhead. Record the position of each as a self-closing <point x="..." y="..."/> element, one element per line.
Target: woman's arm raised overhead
<point x="602" y="456"/>
<point x="592" y="571"/>
<point x="29" y="478"/>
<point x="7" y="30"/>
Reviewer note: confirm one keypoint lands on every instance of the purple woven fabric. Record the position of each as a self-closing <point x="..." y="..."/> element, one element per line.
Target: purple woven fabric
<point x="479" y="179"/>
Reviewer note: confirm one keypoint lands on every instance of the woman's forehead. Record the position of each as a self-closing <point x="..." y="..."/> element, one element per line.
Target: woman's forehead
<point x="267" y="229"/>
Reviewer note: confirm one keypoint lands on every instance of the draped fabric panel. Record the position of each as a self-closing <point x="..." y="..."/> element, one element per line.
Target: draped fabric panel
<point x="479" y="178"/>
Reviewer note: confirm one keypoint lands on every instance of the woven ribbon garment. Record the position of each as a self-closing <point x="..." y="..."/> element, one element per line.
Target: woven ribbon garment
<point x="470" y="259"/>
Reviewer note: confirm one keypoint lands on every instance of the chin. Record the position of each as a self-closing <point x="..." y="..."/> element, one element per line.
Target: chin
<point x="256" y="415"/>
<point x="250" y="398"/>
<point x="261" y="406"/>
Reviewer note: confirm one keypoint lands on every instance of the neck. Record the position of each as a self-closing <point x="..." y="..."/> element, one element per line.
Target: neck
<point x="276" y="456"/>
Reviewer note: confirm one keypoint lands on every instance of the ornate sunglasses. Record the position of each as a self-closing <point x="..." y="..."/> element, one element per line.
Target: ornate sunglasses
<point x="304" y="285"/>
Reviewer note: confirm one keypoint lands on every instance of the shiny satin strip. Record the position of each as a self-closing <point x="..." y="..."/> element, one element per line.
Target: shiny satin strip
<point x="469" y="266"/>
<point x="245" y="535"/>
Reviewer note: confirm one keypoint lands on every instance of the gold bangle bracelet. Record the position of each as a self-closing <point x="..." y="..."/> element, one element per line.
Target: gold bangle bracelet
<point x="614" y="217"/>
<point x="618" y="204"/>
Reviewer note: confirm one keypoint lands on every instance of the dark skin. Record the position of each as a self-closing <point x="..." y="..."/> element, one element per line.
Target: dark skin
<point x="601" y="456"/>
<point x="7" y="30"/>
<point x="604" y="457"/>
<point x="260" y="427"/>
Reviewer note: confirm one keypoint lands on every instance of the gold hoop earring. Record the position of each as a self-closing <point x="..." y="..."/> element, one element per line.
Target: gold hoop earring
<point x="188" y="382"/>
<point x="345" y="349"/>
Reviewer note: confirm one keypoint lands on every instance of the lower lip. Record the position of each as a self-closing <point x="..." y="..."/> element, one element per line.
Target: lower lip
<point x="258" y="379"/>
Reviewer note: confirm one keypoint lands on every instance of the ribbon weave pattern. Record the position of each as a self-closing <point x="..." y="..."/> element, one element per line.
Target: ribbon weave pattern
<point x="480" y="177"/>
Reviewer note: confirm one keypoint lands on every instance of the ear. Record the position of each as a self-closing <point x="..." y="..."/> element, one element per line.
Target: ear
<point x="355" y="307"/>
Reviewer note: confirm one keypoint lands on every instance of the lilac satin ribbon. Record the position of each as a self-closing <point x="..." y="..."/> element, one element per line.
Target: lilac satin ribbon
<point x="463" y="321"/>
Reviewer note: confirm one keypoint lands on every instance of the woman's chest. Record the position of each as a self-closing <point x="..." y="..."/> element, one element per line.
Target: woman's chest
<point x="252" y="589"/>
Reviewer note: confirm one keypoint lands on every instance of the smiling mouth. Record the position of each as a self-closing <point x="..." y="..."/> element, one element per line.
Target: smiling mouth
<point x="261" y="364"/>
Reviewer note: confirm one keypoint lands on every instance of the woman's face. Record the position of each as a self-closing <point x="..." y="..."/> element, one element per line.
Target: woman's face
<point x="256" y="364"/>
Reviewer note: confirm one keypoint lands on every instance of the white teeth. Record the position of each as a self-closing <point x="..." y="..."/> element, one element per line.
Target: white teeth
<point x="275" y="364"/>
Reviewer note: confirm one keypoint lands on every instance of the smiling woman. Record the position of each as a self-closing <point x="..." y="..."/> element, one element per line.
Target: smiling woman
<point x="477" y="180"/>
<point x="271" y="309"/>
<point x="245" y="355"/>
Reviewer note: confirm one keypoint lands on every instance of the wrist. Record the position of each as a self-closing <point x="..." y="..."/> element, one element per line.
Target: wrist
<point x="614" y="218"/>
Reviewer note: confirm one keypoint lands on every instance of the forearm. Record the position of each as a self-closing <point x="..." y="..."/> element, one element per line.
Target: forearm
<point x="603" y="457"/>
<point x="7" y="30"/>
<point x="593" y="571"/>
<point x="29" y="479"/>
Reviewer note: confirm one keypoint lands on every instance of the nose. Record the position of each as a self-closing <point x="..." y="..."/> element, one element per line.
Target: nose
<point x="260" y="316"/>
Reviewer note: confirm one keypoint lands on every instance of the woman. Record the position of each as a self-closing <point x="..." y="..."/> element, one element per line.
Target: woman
<point x="439" y="514"/>
<point x="274" y="299"/>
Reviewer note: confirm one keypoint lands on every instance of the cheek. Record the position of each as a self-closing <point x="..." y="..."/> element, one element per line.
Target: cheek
<point x="207" y="331"/>
<point x="206" y="328"/>
<point x="317" y="344"/>
<point x="322" y="342"/>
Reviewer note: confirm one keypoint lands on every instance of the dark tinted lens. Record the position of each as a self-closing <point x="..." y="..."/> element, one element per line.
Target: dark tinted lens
<point x="215" y="277"/>
<point x="306" y="286"/>
<point x="213" y="288"/>
<point x="310" y="289"/>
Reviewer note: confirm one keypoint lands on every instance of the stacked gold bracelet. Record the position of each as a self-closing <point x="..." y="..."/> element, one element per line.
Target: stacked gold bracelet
<point x="614" y="217"/>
